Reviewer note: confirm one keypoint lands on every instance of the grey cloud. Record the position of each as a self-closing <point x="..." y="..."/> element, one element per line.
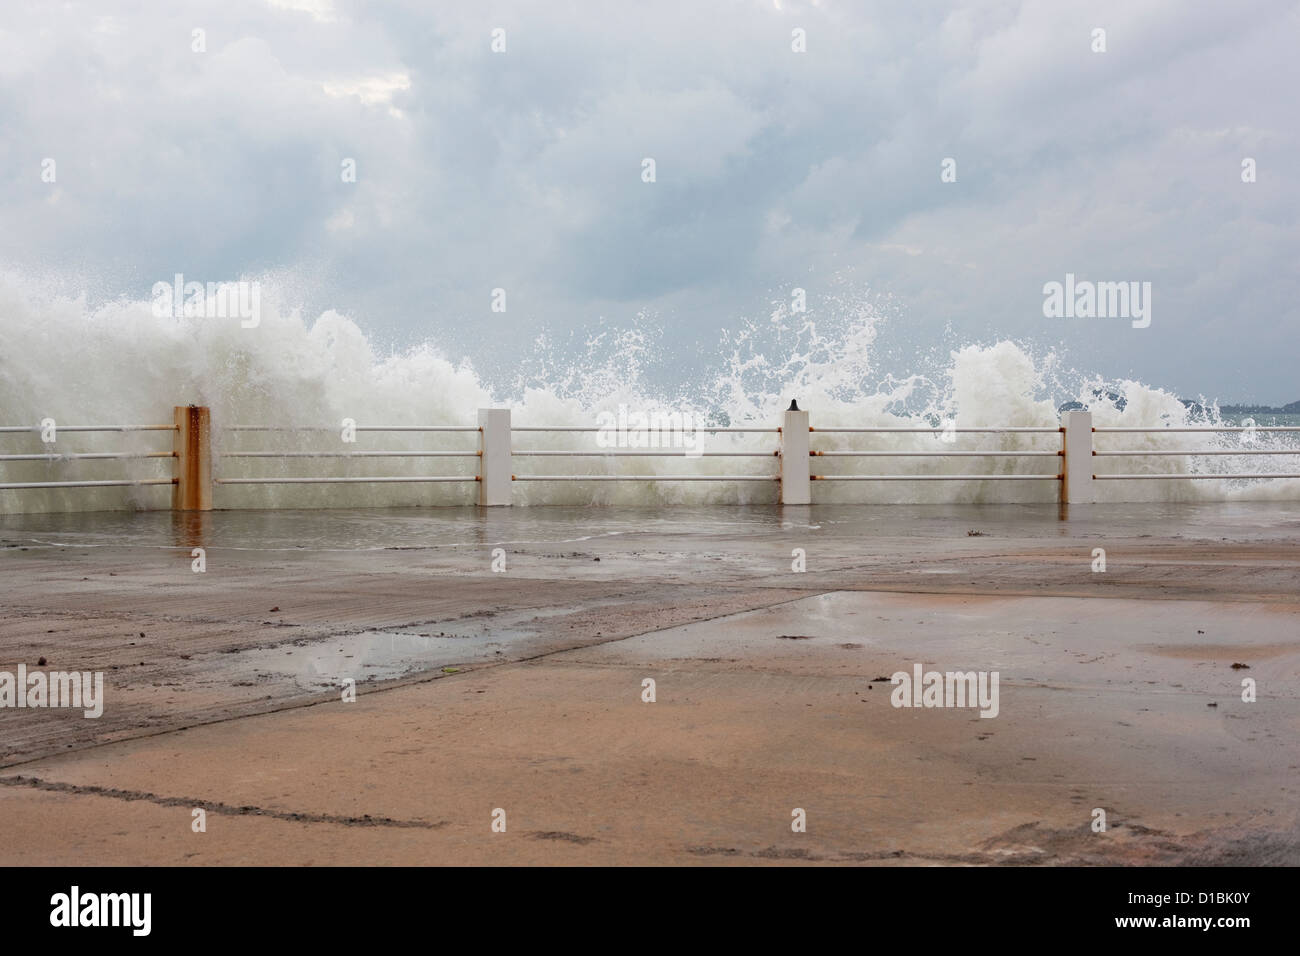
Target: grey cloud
<point x="523" y="170"/>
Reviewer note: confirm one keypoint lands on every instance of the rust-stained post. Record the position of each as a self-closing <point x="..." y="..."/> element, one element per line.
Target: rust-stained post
<point x="192" y="443"/>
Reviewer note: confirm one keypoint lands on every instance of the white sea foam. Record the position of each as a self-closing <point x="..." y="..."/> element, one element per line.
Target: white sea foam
<point x="121" y="364"/>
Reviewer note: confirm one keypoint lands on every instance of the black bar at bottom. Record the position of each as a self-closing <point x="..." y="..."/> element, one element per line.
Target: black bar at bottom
<point x="905" y="905"/>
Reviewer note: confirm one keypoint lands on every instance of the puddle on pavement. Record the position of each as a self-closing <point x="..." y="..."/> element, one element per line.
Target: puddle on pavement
<point x="373" y="655"/>
<point x="1071" y="641"/>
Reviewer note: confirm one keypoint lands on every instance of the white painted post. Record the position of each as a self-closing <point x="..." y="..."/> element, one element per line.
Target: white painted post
<point x="494" y="462"/>
<point x="1078" y="486"/>
<point x="795" y="469"/>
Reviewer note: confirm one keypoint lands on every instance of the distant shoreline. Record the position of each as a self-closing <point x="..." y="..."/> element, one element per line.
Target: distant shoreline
<point x="1291" y="408"/>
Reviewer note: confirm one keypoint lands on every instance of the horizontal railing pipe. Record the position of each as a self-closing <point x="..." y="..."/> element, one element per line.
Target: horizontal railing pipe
<point x="935" y="454"/>
<point x="1193" y="452"/>
<point x="938" y="431"/>
<point x="1191" y="476"/>
<point x="936" y="477"/>
<point x="643" y="454"/>
<point x="645" y="478"/>
<point x="88" y="456"/>
<point x="358" y="428"/>
<point x="1220" y="428"/>
<point x="113" y="483"/>
<point x="599" y="428"/>
<point x="350" y="454"/>
<point x="91" y="428"/>
<point x="343" y="481"/>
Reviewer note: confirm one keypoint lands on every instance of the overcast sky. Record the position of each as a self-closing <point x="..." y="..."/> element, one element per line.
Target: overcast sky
<point x="774" y="169"/>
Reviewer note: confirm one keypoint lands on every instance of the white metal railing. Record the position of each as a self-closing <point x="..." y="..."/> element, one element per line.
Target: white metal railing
<point x="598" y="428"/>
<point x="90" y="428"/>
<point x="1039" y="430"/>
<point x="87" y="456"/>
<point x="1195" y="452"/>
<point x="940" y="432"/>
<point x="355" y="428"/>
<point x="936" y="478"/>
<point x="350" y="479"/>
<point x="350" y="454"/>
<point x="642" y="453"/>
<point x="52" y="457"/>
<point x="615" y="453"/>
<point x="936" y="454"/>
<point x="193" y="481"/>
<point x="1195" y="475"/>
<point x="110" y="483"/>
<point x="646" y="478"/>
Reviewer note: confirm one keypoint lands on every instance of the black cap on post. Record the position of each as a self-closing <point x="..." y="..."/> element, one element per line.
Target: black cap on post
<point x="794" y="405"/>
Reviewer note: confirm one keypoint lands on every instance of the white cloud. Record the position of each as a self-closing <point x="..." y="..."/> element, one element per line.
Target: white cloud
<point x="322" y="10"/>
<point x="371" y="90"/>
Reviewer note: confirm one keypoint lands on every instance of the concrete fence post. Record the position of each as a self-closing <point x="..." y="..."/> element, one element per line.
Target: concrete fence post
<point x="192" y="445"/>
<point x="1078" y="486"/>
<point x="795" y="463"/>
<point x="495" y="476"/>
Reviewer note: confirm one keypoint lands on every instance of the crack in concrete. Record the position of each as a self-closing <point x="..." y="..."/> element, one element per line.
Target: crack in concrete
<point x="224" y="809"/>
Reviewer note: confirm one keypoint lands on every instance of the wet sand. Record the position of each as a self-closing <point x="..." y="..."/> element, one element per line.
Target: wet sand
<point x="522" y="689"/>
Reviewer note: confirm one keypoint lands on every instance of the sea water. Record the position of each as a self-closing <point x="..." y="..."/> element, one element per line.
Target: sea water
<point x="122" y="363"/>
